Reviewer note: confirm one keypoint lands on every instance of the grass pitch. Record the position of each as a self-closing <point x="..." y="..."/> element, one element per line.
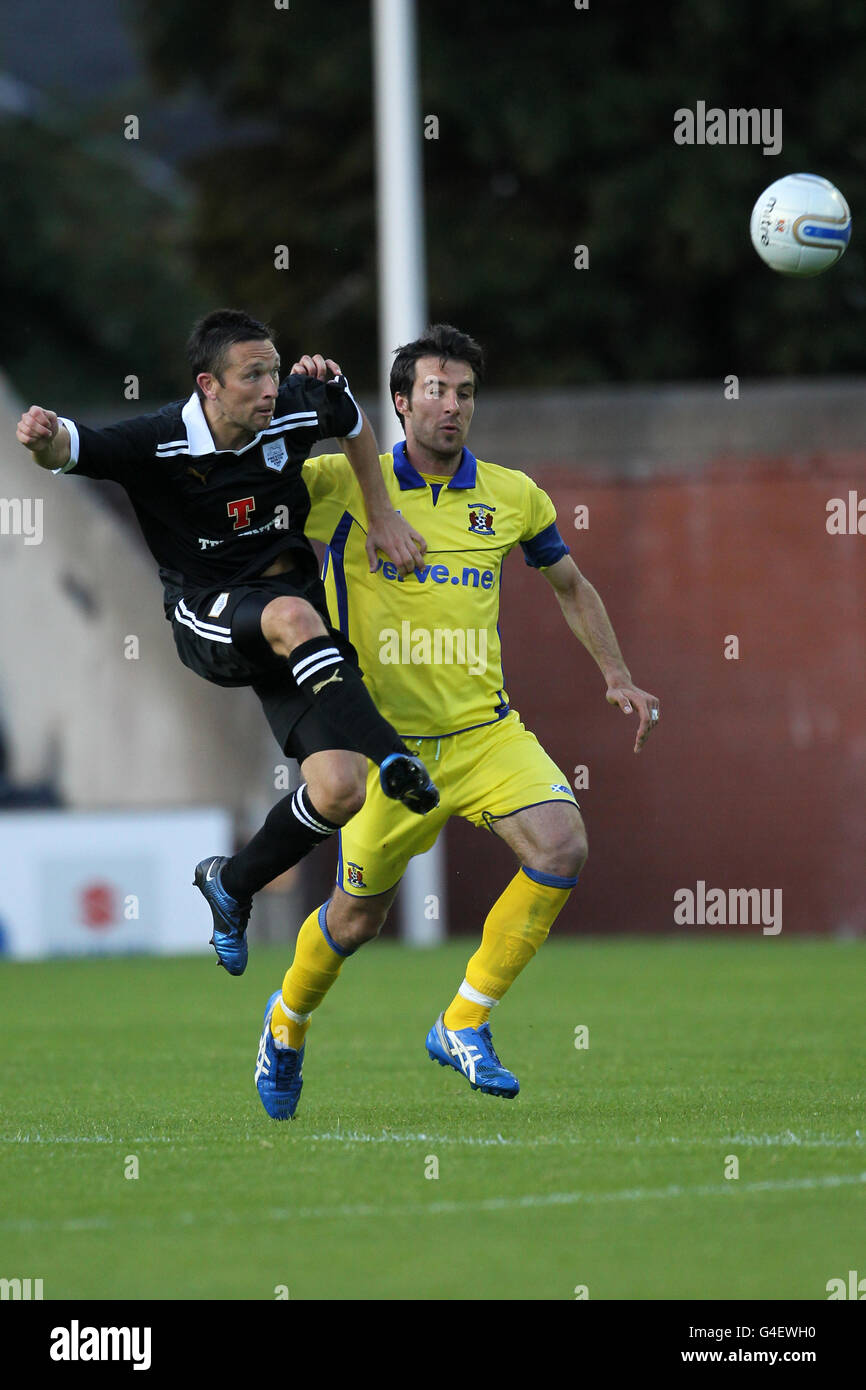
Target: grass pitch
<point x="607" y="1172"/>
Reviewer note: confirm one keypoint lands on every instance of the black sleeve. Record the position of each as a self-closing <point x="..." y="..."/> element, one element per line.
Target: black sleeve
<point x="123" y="452"/>
<point x="337" y="410"/>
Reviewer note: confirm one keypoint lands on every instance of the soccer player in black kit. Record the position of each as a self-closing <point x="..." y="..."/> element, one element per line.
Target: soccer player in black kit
<point x="216" y="485"/>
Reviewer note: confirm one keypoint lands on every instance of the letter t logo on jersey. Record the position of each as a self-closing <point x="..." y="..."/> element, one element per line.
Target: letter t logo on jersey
<point x="240" y="510"/>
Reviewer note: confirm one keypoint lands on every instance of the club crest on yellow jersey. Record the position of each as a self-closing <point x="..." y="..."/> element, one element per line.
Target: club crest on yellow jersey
<point x="481" y="519"/>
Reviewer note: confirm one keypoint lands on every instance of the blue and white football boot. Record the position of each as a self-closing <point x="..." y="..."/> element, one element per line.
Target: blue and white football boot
<point x="278" y="1071"/>
<point x="470" y="1051"/>
<point x="230" y="917"/>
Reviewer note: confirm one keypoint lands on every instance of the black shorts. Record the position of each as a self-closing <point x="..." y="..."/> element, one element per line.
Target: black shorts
<point x="218" y="635"/>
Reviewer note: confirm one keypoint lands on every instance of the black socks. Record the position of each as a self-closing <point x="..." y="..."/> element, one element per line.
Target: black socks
<point x="292" y="828"/>
<point x="336" y="691"/>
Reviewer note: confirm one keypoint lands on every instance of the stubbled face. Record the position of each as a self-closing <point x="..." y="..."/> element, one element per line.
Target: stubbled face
<point x="439" y="411"/>
<point x="243" y="402"/>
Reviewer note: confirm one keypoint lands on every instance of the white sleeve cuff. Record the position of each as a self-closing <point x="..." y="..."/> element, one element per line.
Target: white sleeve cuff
<point x="74" y="444"/>
<point x="360" y="425"/>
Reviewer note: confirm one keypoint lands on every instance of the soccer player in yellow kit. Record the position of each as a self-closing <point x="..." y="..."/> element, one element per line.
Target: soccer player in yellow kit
<point x="429" y="648"/>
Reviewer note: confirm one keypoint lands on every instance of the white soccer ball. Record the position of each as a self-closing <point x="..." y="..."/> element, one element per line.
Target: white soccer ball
<point x="800" y="225"/>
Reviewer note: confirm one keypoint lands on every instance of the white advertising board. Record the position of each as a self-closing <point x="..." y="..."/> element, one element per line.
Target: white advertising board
<point x="77" y="884"/>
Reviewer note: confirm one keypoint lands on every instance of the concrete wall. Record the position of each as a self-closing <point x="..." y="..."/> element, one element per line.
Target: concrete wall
<point x="756" y="777"/>
<point x="110" y="731"/>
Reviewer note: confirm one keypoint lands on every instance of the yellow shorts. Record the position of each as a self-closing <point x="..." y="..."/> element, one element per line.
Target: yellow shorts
<point x="482" y="775"/>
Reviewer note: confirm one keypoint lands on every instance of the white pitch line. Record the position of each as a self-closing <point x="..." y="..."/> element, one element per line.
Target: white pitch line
<point x="530" y="1201"/>
<point x="547" y="1141"/>
<point x="86" y="1139"/>
<point x="784" y="1140"/>
<point x="337" y="1137"/>
<point x="793" y="1141"/>
<point x="498" y="1141"/>
<point x="559" y="1199"/>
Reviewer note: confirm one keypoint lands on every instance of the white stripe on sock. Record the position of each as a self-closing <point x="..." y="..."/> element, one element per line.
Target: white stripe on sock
<point x="296" y="1018"/>
<point x="475" y="996"/>
<point x="327" y="665"/>
<point x="299" y="666"/>
<point x="306" y="817"/>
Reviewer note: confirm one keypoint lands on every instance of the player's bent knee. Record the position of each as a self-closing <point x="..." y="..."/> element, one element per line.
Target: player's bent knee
<point x="287" y="622"/>
<point x="362" y="929"/>
<point x="353" y="921"/>
<point x="580" y="847"/>
<point x="347" y="798"/>
<point x="338" y="793"/>
<point x="566" y="854"/>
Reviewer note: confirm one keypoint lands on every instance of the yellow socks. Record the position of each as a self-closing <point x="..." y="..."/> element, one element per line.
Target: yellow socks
<point x="516" y="926"/>
<point x="317" y="964"/>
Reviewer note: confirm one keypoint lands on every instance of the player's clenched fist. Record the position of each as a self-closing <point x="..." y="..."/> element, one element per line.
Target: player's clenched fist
<point x="314" y="364"/>
<point x="40" y="431"/>
<point x="37" y="427"/>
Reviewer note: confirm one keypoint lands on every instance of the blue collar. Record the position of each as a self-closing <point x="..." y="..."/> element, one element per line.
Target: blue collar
<point x="409" y="477"/>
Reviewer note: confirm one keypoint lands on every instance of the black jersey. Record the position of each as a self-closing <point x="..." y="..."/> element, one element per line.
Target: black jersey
<point x="217" y="516"/>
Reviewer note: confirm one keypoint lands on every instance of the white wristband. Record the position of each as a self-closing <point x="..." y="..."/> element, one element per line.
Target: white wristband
<point x="74" y="444"/>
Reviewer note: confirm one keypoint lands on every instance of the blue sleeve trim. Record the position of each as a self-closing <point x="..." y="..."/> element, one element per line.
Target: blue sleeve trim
<point x="549" y="880"/>
<point x="545" y="548"/>
<point x="323" y="923"/>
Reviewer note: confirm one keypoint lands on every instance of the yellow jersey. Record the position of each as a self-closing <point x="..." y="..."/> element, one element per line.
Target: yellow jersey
<point x="428" y="642"/>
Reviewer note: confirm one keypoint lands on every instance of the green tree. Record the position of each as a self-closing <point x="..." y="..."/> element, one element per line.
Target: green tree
<point x="95" y="280"/>
<point x="555" y="129"/>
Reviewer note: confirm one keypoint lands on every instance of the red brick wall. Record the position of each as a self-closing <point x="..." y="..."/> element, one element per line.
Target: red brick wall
<point x="757" y="773"/>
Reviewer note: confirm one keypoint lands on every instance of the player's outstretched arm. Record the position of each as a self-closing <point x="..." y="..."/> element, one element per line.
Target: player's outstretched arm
<point x="587" y="617"/>
<point x="387" y="530"/>
<point x="41" y="432"/>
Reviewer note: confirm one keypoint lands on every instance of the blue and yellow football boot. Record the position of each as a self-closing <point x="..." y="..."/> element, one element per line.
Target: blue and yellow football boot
<point x="278" y="1071"/>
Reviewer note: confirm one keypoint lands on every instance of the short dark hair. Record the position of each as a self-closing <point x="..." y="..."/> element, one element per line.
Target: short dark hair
<point x="439" y="340"/>
<point x="214" y="335"/>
